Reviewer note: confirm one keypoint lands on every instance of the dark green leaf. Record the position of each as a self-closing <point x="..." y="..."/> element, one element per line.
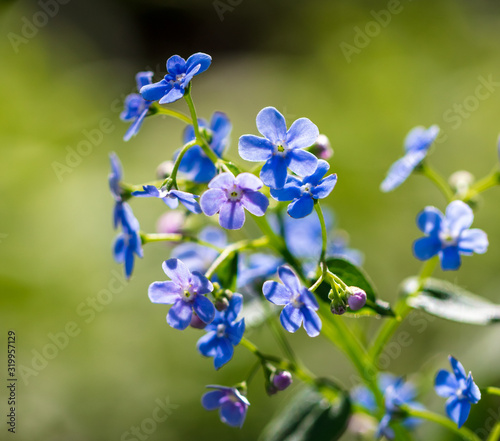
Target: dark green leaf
<point x="310" y="417"/>
<point x="354" y="276"/>
<point x="233" y="168"/>
<point x="446" y="300"/>
<point x="227" y="272"/>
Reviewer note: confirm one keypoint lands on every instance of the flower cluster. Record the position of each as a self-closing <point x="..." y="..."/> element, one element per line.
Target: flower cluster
<point x="223" y="282"/>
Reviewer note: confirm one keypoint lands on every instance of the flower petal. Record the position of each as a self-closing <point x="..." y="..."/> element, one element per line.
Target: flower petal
<point x="224" y="352"/>
<point x="212" y="200"/>
<point x="176" y="65"/>
<point x="309" y="299"/>
<point x="320" y="171"/>
<point x="177" y="271"/>
<point x="459" y="217"/>
<point x="155" y="91"/>
<point x="200" y="284"/>
<point x="248" y="181"/>
<point x="136" y="125"/>
<point x="429" y="220"/>
<point x="208" y="344"/>
<point x="231" y="215"/>
<point x="302" y="162"/>
<point x="274" y="172"/>
<point x="204" y="308"/>
<point x="473" y="393"/>
<point x="420" y="138"/>
<point x="401" y="170"/>
<point x="290" y="191"/>
<point x="119" y="249"/>
<point x="235" y="332"/>
<point x="211" y="400"/>
<point x="426" y="247"/>
<point x="272" y="125"/>
<point x="188" y="200"/>
<point x="301" y="207"/>
<point x="445" y="384"/>
<point x="276" y="293"/>
<point x="233" y="414"/>
<point x="201" y="59"/>
<point x="223" y="180"/>
<point x="302" y="133"/>
<point x="164" y="292"/>
<point x="149" y="191"/>
<point x="255" y="202"/>
<point x="458" y="369"/>
<point x="450" y="258"/>
<point x="458" y="410"/>
<point x="291" y="318"/>
<point x="143" y="79"/>
<point x="174" y="94"/>
<point x="179" y="316"/>
<point x="312" y="322"/>
<point x="289" y="278"/>
<point x="254" y="148"/>
<point x="234" y="308"/>
<point x="325" y="187"/>
<point x="473" y="241"/>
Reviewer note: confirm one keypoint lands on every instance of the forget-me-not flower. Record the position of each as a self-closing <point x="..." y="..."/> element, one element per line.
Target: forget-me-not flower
<point x="417" y="144"/>
<point x="300" y="303"/>
<point x="223" y="333"/>
<point x="449" y="236"/>
<point x="232" y="404"/>
<point x="256" y="267"/>
<point x="304" y="192"/>
<point x="280" y="148"/>
<point x="170" y="197"/>
<point x="195" y="164"/>
<point x="460" y="390"/>
<point x="229" y="196"/>
<point x="136" y="107"/>
<point x="186" y="292"/>
<point x="180" y="73"/>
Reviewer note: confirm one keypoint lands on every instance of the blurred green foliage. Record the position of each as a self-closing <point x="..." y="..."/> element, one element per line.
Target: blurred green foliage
<point x="60" y="85"/>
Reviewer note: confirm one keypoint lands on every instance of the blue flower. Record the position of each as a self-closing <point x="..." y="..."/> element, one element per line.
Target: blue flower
<point x="281" y="149"/>
<point x="460" y="390"/>
<point x="136" y="107"/>
<point x="129" y="241"/>
<point x="195" y="164"/>
<point x="255" y="267"/>
<point x="114" y="179"/>
<point x="417" y="144"/>
<point x="396" y="393"/>
<point x="300" y="303"/>
<point x="223" y="333"/>
<point x="304" y="192"/>
<point x="231" y="403"/>
<point x="171" y="197"/>
<point x="449" y="236"/>
<point x="185" y="292"/>
<point x="180" y="73"/>
<point x="229" y="196"/>
<point x="198" y="257"/>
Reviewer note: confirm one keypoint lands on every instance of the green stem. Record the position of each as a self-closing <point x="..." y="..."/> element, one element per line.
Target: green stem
<point x="129" y="188"/>
<point x="231" y="249"/>
<point x="425" y="414"/>
<point x="254" y="370"/>
<point x="173" y="176"/>
<point x="402" y="310"/>
<point x="148" y="238"/>
<point x="492" y="180"/>
<point x="495" y="433"/>
<point x="324" y="235"/>
<point x="437" y="179"/>
<point x="491" y="390"/>
<point x="179" y="115"/>
<point x="280" y="337"/>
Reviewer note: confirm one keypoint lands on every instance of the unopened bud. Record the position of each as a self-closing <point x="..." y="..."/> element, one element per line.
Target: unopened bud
<point x="338" y="309"/>
<point x="170" y="223"/>
<point x="196" y="322"/>
<point x="356" y="298"/>
<point x="460" y="182"/>
<point x="282" y="379"/>
<point x="221" y="304"/>
<point x="322" y="148"/>
<point x="164" y="170"/>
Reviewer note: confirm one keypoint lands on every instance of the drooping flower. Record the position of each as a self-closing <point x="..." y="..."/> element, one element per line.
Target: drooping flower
<point x="304" y="192"/>
<point x="231" y="403"/>
<point x="180" y="73"/>
<point x="170" y="197"/>
<point x="199" y="257"/>
<point x="114" y="179"/>
<point x="229" y="196"/>
<point x="136" y="107"/>
<point x="186" y="292"/>
<point x="128" y="242"/>
<point x="396" y="393"/>
<point x="300" y="304"/>
<point x="195" y="164"/>
<point x="449" y="236"/>
<point x="281" y="148"/>
<point x="223" y="333"/>
<point x="460" y="390"/>
<point x="417" y="144"/>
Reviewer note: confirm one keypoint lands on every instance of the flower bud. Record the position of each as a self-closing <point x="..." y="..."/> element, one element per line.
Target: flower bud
<point x="337" y="308"/>
<point x="221" y="304"/>
<point x="356" y="298"/>
<point x="460" y="182"/>
<point x="170" y="223"/>
<point x="164" y="170"/>
<point x="281" y="380"/>
<point x="196" y="322"/>
<point x="322" y="148"/>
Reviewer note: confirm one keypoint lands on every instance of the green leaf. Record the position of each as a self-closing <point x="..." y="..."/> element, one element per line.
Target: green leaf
<point x="354" y="276"/>
<point x="233" y="168"/>
<point x="310" y="417"/>
<point x="451" y="302"/>
<point x="227" y="272"/>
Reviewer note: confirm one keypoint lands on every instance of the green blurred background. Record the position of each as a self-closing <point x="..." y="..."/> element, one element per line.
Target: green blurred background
<point x="64" y="78"/>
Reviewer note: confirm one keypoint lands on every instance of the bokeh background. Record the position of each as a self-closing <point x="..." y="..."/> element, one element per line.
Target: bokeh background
<point x="65" y="70"/>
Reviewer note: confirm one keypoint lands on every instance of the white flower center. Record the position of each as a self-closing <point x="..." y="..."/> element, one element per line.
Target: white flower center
<point x="180" y="77"/>
<point x="306" y="188"/>
<point x="234" y="193"/>
<point x="280" y="149"/>
<point x="221" y="330"/>
<point x="447" y="238"/>
<point x="296" y="301"/>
